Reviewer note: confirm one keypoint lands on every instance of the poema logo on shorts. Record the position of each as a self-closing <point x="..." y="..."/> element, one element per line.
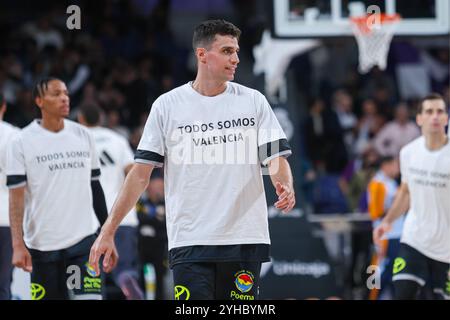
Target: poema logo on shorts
<point x="90" y="270"/>
<point x="37" y="291"/>
<point x="244" y="281"/>
<point x="181" y="293"/>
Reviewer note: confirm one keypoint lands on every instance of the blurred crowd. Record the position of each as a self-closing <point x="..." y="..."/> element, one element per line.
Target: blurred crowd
<point x="352" y="123"/>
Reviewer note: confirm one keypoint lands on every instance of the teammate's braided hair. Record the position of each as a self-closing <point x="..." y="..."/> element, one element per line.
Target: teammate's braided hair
<point x="41" y="86"/>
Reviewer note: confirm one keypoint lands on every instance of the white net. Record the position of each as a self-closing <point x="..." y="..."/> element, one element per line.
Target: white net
<point x="373" y="41"/>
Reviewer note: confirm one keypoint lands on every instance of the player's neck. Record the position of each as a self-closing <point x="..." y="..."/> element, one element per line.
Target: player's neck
<point x="52" y="124"/>
<point x="208" y="87"/>
<point x="435" y="141"/>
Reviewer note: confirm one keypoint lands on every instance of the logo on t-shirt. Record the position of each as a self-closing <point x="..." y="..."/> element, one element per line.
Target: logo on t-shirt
<point x="63" y="160"/>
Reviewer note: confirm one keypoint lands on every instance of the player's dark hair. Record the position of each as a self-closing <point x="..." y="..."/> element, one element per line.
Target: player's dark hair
<point x="204" y="33"/>
<point x="431" y="96"/>
<point x="383" y="160"/>
<point x="2" y="99"/>
<point x="91" y="114"/>
<point x="41" y="86"/>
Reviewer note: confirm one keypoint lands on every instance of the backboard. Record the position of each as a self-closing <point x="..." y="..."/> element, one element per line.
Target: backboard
<point x="330" y="18"/>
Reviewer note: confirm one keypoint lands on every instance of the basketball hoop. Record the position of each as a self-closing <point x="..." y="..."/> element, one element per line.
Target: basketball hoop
<point x="373" y="35"/>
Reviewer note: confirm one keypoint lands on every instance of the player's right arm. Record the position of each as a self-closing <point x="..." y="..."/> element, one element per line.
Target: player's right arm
<point x="399" y="207"/>
<point x="21" y="255"/>
<point x="135" y="183"/>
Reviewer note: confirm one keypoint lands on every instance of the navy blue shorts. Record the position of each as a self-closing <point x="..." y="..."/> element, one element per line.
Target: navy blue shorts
<point x="412" y="265"/>
<point x="6" y="267"/>
<point x="216" y="280"/>
<point x="65" y="274"/>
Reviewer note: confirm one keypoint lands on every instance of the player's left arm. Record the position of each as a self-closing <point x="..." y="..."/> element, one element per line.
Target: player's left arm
<point x="281" y="176"/>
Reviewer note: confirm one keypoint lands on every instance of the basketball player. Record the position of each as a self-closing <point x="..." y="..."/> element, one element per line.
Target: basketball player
<point x="424" y="254"/>
<point x="212" y="136"/>
<point x="380" y="195"/>
<point x="52" y="173"/>
<point x="6" y="268"/>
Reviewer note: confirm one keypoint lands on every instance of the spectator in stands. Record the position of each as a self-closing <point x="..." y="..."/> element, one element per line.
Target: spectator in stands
<point x="397" y="133"/>
<point x="380" y="195"/>
<point x="367" y="126"/>
<point x="324" y="138"/>
<point x="343" y="106"/>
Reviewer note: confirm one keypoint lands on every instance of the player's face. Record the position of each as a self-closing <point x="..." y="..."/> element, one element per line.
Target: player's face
<point x="433" y="117"/>
<point x="222" y="58"/>
<point x="55" y="100"/>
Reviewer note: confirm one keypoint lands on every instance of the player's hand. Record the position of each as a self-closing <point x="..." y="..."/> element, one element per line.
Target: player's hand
<point x="104" y="246"/>
<point x="286" y="197"/>
<point x="379" y="232"/>
<point x="22" y="258"/>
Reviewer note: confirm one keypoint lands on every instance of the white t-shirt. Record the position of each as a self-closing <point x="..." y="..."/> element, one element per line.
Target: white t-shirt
<point x="115" y="155"/>
<point x="6" y="134"/>
<point x="211" y="148"/>
<point x="56" y="169"/>
<point x="427" y="174"/>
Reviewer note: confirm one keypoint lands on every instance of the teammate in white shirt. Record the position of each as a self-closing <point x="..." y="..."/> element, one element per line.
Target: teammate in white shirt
<point x="424" y="254"/>
<point x="116" y="160"/>
<point x="52" y="172"/>
<point x="6" y="133"/>
<point x="212" y="136"/>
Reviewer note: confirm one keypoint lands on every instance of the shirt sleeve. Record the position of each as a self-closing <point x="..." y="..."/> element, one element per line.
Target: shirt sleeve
<point x="15" y="164"/>
<point x="272" y="141"/>
<point x="151" y="146"/>
<point x="95" y="162"/>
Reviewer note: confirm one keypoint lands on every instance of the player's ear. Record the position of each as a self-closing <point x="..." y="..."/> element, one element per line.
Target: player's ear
<point x="419" y="119"/>
<point x="201" y="55"/>
<point x="38" y="101"/>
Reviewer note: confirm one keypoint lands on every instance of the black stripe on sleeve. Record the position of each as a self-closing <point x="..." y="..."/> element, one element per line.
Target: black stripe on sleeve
<point x="95" y="173"/>
<point x="148" y="156"/>
<point x="15" y="180"/>
<point x="272" y="148"/>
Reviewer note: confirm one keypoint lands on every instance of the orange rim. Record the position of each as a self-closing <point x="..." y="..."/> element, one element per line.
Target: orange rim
<point x="361" y="22"/>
